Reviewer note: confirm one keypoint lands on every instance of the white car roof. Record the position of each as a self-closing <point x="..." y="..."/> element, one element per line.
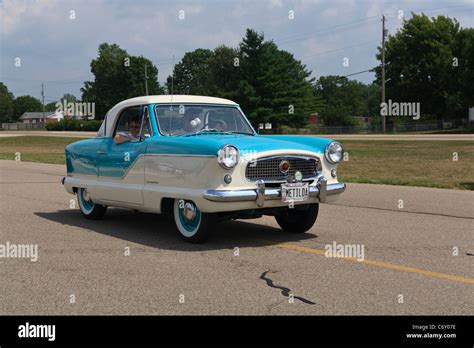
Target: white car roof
<point x="157" y="99"/>
<point x="152" y="99"/>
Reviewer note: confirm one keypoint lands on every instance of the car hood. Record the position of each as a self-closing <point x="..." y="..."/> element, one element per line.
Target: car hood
<point x="209" y="144"/>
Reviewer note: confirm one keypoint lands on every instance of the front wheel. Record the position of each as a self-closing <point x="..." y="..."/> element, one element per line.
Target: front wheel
<point x="193" y="225"/>
<point x="89" y="209"/>
<point x="298" y="219"/>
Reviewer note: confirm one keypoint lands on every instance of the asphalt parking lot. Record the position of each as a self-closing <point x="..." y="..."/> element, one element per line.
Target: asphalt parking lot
<point x="419" y="259"/>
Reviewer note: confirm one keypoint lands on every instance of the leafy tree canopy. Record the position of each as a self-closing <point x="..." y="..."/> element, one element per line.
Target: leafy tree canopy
<point x="118" y="76"/>
<point x="7" y="107"/>
<point x="24" y="104"/>
<point x="268" y="83"/>
<point x="430" y="61"/>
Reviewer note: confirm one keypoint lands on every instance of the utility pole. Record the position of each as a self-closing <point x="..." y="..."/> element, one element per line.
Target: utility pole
<point x="146" y="81"/>
<point x="383" y="69"/>
<point x="172" y="80"/>
<point x="42" y="97"/>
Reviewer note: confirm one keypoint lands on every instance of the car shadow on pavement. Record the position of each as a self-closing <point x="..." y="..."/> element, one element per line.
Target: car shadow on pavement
<point x="159" y="231"/>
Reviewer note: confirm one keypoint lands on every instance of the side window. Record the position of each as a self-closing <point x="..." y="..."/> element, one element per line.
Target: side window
<point x="129" y="121"/>
<point x="101" y="131"/>
<point x="146" y="129"/>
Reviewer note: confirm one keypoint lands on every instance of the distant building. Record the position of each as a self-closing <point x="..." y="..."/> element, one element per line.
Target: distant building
<point x="36" y="117"/>
<point x="46" y="117"/>
<point x="363" y="120"/>
<point x="313" y="118"/>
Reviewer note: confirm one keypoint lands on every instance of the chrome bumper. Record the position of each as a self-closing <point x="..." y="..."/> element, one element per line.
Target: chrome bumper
<point x="262" y="194"/>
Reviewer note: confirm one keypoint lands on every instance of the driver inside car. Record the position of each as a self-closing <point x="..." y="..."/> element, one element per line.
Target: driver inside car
<point x="192" y="121"/>
<point x="219" y="125"/>
<point x="132" y="135"/>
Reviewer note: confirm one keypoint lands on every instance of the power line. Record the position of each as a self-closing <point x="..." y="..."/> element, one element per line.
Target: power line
<point x="393" y="15"/>
<point x="361" y="72"/>
<point x="325" y="30"/>
<point x="339" y="49"/>
<point x="49" y="81"/>
<point x="360" y="21"/>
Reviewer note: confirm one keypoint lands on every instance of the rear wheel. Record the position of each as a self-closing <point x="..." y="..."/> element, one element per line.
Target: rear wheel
<point x="88" y="208"/>
<point x="193" y="225"/>
<point x="298" y="219"/>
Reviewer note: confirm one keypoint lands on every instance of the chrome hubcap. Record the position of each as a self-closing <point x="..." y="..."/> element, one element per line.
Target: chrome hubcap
<point x="86" y="196"/>
<point x="189" y="211"/>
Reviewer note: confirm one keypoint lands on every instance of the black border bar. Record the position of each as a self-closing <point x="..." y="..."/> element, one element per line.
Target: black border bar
<point x="288" y="330"/>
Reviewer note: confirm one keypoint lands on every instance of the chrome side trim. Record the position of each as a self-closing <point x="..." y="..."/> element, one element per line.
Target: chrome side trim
<point x="230" y="196"/>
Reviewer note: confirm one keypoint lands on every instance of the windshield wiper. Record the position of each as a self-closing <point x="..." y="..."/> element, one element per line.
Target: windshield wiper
<point x="202" y="131"/>
<point x="239" y="132"/>
<point x="213" y="130"/>
<point x="207" y="130"/>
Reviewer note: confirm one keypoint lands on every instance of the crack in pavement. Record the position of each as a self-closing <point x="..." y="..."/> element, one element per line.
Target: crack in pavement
<point x="403" y="211"/>
<point x="284" y="291"/>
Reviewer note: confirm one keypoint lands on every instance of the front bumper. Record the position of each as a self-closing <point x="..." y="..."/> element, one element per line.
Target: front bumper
<point x="262" y="194"/>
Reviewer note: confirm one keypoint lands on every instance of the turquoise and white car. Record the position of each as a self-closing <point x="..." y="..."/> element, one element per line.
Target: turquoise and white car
<point x="199" y="160"/>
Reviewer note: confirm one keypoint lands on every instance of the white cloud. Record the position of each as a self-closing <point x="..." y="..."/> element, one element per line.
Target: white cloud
<point x="13" y="13"/>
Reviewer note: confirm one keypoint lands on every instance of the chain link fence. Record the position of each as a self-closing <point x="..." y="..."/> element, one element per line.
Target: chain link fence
<point x="20" y="125"/>
<point x="371" y="129"/>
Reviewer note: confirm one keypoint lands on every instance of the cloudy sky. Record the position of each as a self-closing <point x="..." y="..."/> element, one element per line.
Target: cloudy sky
<point x="57" y="39"/>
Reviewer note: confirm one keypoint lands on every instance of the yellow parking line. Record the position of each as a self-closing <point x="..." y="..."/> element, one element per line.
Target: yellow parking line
<point x="383" y="264"/>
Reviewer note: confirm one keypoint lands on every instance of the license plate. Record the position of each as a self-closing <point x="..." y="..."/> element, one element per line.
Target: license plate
<point x="295" y="192"/>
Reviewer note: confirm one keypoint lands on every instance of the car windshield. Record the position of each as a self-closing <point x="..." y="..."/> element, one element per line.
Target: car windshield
<point x="187" y="119"/>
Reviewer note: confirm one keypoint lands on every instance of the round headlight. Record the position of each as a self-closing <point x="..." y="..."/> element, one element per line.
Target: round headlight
<point x="228" y="156"/>
<point x="334" y="152"/>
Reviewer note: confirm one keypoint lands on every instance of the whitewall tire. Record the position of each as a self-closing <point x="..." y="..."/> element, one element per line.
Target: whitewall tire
<point x="193" y="226"/>
<point x="89" y="209"/>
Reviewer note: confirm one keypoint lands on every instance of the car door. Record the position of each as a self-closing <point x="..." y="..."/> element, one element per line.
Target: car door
<point x="121" y="167"/>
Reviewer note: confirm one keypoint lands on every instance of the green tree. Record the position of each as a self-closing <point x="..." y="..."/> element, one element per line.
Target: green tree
<point x="274" y="86"/>
<point x="191" y="74"/>
<point x="224" y="71"/>
<point x="420" y="66"/>
<point x="118" y="76"/>
<point x="24" y="104"/>
<point x="269" y="84"/>
<point x="464" y="77"/>
<point x="66" y="97"/>
<point x="345" y="99"/>
<point x="7" y="107"/>
<point x="285" y="89"/>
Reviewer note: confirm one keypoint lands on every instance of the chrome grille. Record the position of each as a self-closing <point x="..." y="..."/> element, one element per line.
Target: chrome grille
<point x="268" y="169"/>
